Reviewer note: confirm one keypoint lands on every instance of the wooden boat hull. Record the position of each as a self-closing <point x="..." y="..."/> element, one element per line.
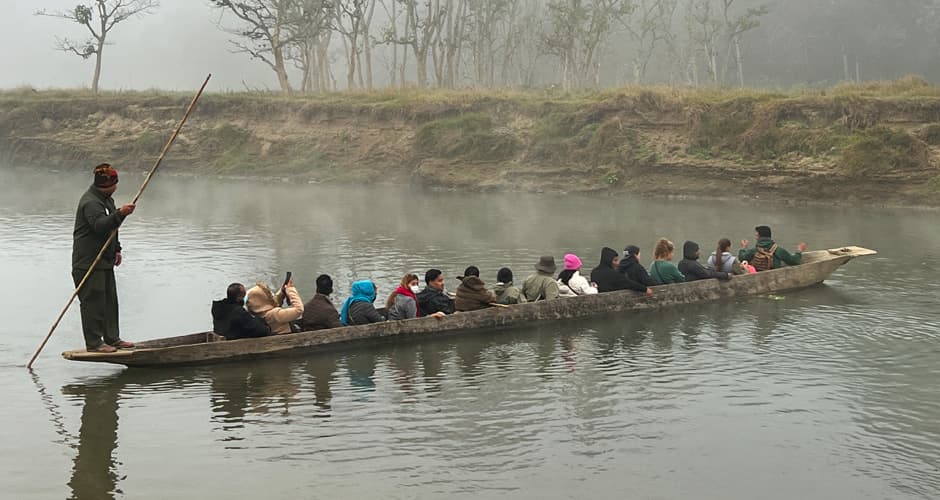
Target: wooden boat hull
<point x="202" y="348"/>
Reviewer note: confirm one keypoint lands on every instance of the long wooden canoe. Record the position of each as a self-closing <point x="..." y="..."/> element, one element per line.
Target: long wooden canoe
<point x="206" y="347"/>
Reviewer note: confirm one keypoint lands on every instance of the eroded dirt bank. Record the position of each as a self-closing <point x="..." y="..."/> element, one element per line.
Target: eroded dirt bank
<point x="876" y="143"/>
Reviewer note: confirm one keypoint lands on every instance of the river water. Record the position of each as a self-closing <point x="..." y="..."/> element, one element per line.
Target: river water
<point x="828" y="392"/>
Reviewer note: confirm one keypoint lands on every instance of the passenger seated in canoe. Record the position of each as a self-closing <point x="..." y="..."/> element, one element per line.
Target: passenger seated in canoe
<point x="506" y="293"/>
<point x="607" y="278"/>
<point x="542" y="285"/>
<point x="320" y="313"/>
<point x="630" y="265"/>
<point x="726" y="263"/>
<point x="232" y="321"/>
<point x="403" y="302"/>
<point x="433" y="299"/>
<point x="472" y="293"/>
<point x="690" y="267"/>
<point x="662" y="269"/>
<point x="570" y="281"/>
<point x="766" y="254"/>
<point x="358" y="309"/>
<point x="262" y="303"/>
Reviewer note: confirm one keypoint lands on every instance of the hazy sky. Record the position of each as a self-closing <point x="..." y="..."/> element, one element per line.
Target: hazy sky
<point x="172" y="49"/>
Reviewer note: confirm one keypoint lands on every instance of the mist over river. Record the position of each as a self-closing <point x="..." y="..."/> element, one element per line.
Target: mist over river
<point x="828" y="392"/>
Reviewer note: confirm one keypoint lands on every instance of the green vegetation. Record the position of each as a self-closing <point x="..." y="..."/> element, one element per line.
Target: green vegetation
<point x="616" y="139"/>
<point x="933" y="185"/>
<point x="468" y="136"/>
<point x="883" y="150"/>
<point x="931" y="134"/>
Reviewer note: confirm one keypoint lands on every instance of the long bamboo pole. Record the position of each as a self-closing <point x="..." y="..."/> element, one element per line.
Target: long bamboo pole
<point x="107" y="242"/>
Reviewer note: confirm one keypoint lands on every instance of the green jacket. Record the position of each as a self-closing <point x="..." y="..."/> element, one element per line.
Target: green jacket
<point x="781" y="256"/>
<point x="95" y="218"/>
<point x="540" y="286"/>
<point x="665" y="272"/>
<point x="507" y="294"/>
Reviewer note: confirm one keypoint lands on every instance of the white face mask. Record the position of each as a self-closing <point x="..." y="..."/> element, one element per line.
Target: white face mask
<point x="415" y="289"/>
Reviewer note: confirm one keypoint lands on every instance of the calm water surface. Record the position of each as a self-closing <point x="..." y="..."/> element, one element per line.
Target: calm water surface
<point x="829" y="392"/>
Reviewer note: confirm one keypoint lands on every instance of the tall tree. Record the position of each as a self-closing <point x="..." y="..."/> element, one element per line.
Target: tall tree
<point x="265" y="28"/>
<point x="649" y="24"/>
<point x="579" y="27"/>
<point x="99" y="18"/>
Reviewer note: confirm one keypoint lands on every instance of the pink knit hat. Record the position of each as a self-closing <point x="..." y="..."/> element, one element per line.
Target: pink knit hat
<point x="572" y="262"/>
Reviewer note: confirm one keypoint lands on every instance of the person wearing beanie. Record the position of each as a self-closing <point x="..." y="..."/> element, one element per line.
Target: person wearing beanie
<point x="542" y="285"/>
<point x="693" y="270"/>
<point x="766" y="254"/>
<point x="506" y="293"/>
<point x="95" y="219"/>
<point x="631" y="267"/>
<point x="570" y="281"/>
<point x="472" y="293"/>
<point x="320" y="313"/>
<point x="607" y="278"/>
<point x="232" y="321"/>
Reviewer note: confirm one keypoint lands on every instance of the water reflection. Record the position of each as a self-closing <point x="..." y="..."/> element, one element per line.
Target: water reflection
<point x="95" y="473"/>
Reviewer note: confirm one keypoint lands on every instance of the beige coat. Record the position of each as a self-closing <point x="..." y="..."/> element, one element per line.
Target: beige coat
<point x="262" y="303"/>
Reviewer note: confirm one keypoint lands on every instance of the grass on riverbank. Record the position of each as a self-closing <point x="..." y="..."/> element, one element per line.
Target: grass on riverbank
<point x="525" y="138"/>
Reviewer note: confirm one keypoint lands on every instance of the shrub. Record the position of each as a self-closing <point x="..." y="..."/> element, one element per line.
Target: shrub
<point x="883" y="149"/>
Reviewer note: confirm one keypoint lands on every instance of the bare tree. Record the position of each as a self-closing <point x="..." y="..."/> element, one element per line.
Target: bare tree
<point x="310" y="22"/>
<point x="579" y="27"/>
<point x="99" y="18"/>
<point x="422" y="21"/>
<point x="649" y="24"/>
<point x="265" y="28"/>
<point x="735" y="27"/>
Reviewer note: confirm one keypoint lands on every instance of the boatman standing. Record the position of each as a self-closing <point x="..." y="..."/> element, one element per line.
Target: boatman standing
<point x="95" y="218"/>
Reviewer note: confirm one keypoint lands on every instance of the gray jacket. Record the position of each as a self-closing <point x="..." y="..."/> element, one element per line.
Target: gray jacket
<point x="403" y="308"/>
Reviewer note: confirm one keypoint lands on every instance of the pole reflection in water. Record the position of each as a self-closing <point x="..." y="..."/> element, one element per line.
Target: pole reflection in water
<point x="95" y="470"/>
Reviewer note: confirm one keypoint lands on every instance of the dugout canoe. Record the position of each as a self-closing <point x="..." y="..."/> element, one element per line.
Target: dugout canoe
<point x="206" y="347"/>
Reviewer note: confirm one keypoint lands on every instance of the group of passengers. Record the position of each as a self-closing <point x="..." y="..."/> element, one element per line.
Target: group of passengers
<point x="257" y="312"/>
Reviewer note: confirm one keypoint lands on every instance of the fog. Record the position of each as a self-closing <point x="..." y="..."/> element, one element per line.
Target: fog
<point x="172" y="49"/>
<point x="501" y="43"/>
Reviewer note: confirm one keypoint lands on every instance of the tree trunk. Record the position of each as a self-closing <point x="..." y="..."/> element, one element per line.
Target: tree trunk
<point x="845" y="65"/>
<point x="278" y="50"/>
<point x="421" y="68"/>
<point x="94" y="80"/>
<point x="394" y="22"/>
<point x="739" y="60"/>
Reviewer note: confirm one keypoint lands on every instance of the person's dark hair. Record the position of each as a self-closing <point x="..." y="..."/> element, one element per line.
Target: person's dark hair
<point x="566" y="275"/>
<point x="432" y="275"/>
<point x="235" y="291"/>
<point x="504" y="275"/>
<point x="324" y="284"/>
<point x="471" y="271"/>
<point x="763" y="231"/>
<point x="724" y="245"/>
<point x="631" y="251"/>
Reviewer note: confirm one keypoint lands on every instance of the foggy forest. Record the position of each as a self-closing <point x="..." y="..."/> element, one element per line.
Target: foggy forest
<point x="324" y="45"/>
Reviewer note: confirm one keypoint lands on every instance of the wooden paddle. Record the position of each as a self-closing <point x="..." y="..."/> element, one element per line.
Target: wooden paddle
<point x="107" y="242"/>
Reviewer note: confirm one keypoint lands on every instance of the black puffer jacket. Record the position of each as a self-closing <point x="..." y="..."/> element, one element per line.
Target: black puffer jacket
<point x="232" y="321"/>
<point x="690" y="267"/>
<point x="432" y="300"/>
<point x="636" y="272"/>
<point x="608" y="279"/>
